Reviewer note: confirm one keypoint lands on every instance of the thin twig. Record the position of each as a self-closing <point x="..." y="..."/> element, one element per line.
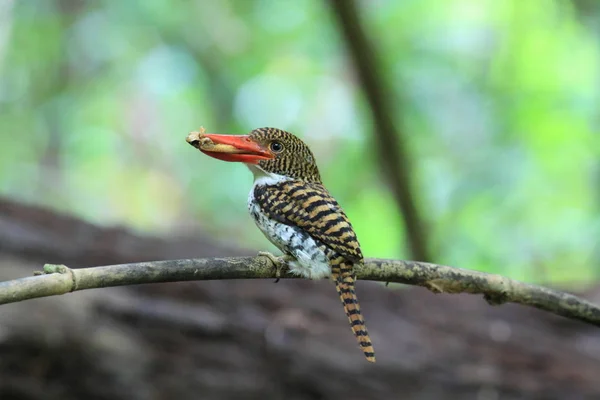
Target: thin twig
<point x="58" y="279"/>
<point x="393" y="154"/>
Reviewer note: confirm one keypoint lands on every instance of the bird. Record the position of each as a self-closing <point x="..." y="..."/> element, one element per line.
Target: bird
<point x="294" y="210"/>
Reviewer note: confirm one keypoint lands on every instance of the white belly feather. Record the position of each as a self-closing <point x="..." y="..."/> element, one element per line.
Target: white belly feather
<point x="311" y="262"/>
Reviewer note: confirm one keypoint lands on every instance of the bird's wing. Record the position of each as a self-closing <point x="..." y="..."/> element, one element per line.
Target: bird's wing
<point x="310" y="207"/>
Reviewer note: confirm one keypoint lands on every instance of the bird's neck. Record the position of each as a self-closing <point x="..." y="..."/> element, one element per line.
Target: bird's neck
<point x="263" y="178"/>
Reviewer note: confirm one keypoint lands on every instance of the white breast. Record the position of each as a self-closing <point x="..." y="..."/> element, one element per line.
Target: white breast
<point x="311" y="262"/>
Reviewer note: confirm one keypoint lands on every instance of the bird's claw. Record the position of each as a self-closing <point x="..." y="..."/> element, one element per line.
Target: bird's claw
<point x="279" y="262"/>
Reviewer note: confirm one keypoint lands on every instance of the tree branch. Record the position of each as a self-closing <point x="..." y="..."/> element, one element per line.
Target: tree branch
<point x="58" y="279"/>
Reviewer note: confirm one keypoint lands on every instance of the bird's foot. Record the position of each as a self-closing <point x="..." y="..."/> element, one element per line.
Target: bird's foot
<point x="279" y="262"/>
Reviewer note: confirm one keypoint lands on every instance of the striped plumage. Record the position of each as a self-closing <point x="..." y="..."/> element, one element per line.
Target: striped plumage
<point x="297" y="214"/>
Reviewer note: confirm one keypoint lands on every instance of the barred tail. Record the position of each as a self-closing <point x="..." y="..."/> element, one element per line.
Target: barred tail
<point x="344" y="284"/>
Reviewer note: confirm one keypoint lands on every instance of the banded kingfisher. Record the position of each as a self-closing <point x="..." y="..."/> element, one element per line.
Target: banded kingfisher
<point x="293" y="209"/>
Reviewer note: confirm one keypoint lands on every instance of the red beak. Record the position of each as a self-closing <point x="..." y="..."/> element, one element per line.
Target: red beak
<point x="234" y="148"/>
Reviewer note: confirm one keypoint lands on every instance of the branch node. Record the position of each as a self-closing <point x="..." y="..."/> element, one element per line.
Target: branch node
<point x="496" y="299"/>
<point x="434" y="287"/>
<point x="59" y="269"/>
<point x="54" y="269"/>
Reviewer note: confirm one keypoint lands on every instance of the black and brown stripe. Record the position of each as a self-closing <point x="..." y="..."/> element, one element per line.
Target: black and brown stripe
<point x="310" y="207"/>
<point x="295" y="160"/>
<point x="343" y="276"/>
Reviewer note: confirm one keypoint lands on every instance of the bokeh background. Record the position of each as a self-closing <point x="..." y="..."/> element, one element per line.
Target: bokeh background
<point x="492" y="107"/>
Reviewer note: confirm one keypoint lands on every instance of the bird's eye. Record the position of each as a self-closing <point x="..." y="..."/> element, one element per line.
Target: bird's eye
<point x="276" y="147"/>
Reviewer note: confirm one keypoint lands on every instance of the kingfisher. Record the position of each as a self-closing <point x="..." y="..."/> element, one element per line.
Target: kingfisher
<point x="293" y="209"/>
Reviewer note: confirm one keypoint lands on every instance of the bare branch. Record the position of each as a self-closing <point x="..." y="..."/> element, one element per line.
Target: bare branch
<point x="496" y="289"/>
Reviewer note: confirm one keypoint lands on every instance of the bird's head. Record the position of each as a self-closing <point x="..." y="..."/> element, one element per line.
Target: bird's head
<point x="266" y="151"/>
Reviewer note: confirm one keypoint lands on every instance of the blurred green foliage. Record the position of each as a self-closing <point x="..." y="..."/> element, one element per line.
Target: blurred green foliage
<point x="500" y="112"/>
